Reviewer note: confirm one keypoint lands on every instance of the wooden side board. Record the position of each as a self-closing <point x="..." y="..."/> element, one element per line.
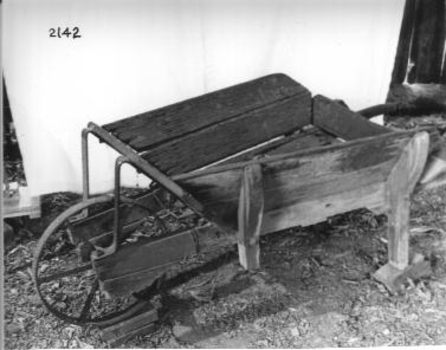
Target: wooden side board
<point x="299" y="177"/>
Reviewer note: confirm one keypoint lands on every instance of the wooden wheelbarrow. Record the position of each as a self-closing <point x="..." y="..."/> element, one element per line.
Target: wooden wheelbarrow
<point x="250" y="159"/>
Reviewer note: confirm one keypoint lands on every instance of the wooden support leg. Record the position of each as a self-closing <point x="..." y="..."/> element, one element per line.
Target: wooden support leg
<point x="401" y="183"/>
<point x="250" y="214"/>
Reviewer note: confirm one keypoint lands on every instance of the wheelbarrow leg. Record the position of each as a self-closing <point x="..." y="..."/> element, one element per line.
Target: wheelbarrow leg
<point x="250" y="214"/>
<point x="401" y="183"/>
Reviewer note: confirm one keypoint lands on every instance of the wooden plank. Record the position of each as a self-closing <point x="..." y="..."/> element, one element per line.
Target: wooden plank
<point x="169" y="122"/>
<point x="121" y="273"/>
<point x="229" y="137"/>
<point x="313" y="211"/>
<point x="282" y="192"/>
<point x="342" y="122"/>
<point x="250" y="213"/>
<point x="131" y="257"/>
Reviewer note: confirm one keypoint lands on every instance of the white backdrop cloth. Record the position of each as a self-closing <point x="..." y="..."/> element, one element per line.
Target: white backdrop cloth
<point x="137" y="55"/>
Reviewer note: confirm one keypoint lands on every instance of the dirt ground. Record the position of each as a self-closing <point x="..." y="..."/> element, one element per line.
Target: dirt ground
<point x="314" y="290"/>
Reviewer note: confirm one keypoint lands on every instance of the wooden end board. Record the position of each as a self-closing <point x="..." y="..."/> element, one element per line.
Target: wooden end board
<point x="342" y="122"/>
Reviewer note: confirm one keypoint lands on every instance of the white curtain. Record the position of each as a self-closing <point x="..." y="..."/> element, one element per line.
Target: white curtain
<point x="137" y="55"/>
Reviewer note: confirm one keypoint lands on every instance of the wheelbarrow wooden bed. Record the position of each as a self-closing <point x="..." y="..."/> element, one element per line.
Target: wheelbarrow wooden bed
<point x="250" y="159"/>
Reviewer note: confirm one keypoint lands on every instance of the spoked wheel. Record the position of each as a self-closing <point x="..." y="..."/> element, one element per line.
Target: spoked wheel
<point x="68" y="285"/>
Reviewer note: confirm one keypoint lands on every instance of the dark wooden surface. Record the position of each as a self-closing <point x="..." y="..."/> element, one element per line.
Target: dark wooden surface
<point x="230" y="137"/>
<point x="167" y="123"/>
<point x="342" y="122"/>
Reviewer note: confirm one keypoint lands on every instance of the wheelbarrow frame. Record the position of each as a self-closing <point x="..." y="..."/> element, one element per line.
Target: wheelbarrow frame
<point x="248" y="213"/>
<point x="398" y="249"/>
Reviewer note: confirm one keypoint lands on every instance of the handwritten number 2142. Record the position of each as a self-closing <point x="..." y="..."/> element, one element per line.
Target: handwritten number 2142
<point x="58" y="33"/>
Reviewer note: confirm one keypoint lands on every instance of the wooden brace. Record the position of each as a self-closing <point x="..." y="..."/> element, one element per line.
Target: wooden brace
<point x="250" y="214"/>
<point x="401" y="183"/>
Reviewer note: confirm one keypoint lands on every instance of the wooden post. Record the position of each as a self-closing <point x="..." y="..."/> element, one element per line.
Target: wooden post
<point x="428" y="42"/>
<point x="405" y="38"/>
<point x="401" y="183"/>
<point x="250" y="214"/>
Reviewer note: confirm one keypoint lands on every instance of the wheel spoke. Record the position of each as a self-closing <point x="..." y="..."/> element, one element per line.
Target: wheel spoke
<point x="87" y="305"/>
<point x="65" y="273"/>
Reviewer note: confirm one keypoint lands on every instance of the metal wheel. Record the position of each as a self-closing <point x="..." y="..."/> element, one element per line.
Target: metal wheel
<point x="68" y="285"/>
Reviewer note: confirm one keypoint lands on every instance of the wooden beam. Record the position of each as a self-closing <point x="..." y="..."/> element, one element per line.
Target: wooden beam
<point x="137" y="265"/>
<point x="250" y="213"/>
<point x="400" y="185"/>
